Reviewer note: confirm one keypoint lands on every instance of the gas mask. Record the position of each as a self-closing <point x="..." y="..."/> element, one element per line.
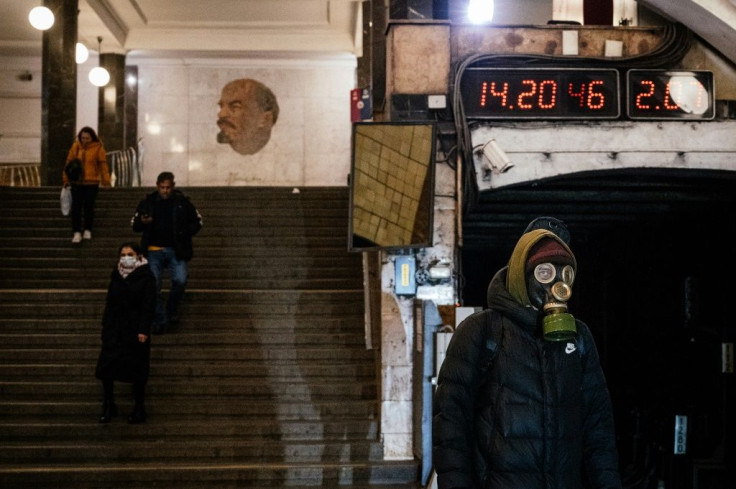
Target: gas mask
<point x="549" y="287"/>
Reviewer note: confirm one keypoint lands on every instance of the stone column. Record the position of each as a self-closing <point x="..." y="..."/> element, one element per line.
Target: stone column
<point x="58" y="89"/>
<point x="111" y="115"/>
<point x="131" y="107"/>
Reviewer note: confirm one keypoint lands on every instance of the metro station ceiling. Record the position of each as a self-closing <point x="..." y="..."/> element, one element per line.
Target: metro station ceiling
<point x="271" y="26"/>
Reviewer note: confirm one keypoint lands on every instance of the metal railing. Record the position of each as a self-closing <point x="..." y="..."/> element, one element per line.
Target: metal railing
<point x="27" y="175"/>
<point x="125" y="166"/>
<point x="125" y="170"/>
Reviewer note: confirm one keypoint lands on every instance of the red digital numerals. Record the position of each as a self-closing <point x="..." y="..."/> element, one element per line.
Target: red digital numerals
<point x="580" y="93"/>
<point x="493" y="91"/>
<point x="588" y="95"/>
<point x="662" y="94"/>
<point x="690" y="91"/>
<point x="541" y="95"/>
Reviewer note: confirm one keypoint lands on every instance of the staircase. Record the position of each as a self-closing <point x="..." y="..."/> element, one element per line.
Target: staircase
<point x="266" y="383"/>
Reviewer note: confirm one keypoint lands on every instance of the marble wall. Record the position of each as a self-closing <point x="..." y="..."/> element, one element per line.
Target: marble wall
<point x="309" y="143"/>
<point x="20" y="110"/>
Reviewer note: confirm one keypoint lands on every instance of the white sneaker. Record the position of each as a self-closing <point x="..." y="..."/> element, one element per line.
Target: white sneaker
<point x="87" y="234"/>
<point x="77" y="238"/>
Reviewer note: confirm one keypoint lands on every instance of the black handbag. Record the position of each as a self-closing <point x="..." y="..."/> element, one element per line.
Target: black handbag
<point x="73" y="170"/>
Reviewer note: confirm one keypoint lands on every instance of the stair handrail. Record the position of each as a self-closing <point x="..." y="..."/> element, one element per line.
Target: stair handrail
<point x="125" y="165"/>
<point x="20" y="175"/>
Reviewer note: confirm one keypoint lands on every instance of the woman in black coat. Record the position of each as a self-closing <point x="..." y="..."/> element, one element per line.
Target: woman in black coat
<point x="126" y="330"/>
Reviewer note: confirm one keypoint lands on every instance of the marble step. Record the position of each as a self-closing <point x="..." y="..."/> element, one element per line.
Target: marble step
<point x="200" y="450"/>
<point x="192" y="338"/>
<point x="174" y="369"/>
<point x="214" y="409"/>
<point x="175" y="428"/>
<point x="256" y="323"/>
<point x="188" y="389"/>
<point x="161" y="351"/>
<point x="344" y="474"/>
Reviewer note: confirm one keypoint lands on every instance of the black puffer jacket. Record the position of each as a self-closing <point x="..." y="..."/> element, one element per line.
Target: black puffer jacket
<point x="186" y="222"/>
<point x="514" y="411"/>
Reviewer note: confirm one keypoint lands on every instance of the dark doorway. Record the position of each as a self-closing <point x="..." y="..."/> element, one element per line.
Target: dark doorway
<point x="653" y="250"/>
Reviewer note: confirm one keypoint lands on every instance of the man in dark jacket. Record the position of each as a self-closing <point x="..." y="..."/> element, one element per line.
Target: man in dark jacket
<point x="168" y="220"/>
<point x="521" y="399"/>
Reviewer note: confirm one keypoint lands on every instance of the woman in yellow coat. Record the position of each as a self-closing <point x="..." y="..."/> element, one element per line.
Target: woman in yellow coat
<point x="85" y="170"/>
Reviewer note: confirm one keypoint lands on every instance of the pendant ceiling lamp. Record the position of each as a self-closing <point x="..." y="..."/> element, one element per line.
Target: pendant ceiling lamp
<point x="98" y="75"/>
<point x="41" y="18"/>
<point x="81" y="54"/>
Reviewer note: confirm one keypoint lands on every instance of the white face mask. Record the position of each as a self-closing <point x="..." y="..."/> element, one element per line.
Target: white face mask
<point x="127" y="261"/>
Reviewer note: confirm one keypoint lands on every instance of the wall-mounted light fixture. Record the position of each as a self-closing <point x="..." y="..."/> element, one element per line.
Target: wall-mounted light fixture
<point x="98" y="75"/>
<point x="42" y="18"/>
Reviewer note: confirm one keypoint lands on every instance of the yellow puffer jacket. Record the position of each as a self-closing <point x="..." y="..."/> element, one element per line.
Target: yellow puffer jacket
<point x="94" y="162"/>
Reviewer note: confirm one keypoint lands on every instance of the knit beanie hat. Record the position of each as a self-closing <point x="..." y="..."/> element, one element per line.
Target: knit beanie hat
<point x="548" y="250"/>
<point x="516" y="276"/>
<point x="550" y="224"/>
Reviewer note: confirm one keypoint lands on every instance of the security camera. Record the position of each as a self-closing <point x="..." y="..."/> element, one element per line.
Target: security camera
<point x="496" y="158"/>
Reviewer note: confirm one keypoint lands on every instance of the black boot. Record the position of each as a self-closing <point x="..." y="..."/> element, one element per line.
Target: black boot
<point x="139" y="411"/>
<point x="138" y="415"/>
<point x="109" y="410"/>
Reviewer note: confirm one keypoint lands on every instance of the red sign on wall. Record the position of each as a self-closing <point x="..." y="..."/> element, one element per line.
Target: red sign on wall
<point x="361" y="107"/>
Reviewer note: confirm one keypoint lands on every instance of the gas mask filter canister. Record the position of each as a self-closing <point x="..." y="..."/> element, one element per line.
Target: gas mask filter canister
<point x="558" y="324"/>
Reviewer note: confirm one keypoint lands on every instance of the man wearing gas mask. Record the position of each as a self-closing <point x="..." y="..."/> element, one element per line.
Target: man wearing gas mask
<point x="521" y="399"/>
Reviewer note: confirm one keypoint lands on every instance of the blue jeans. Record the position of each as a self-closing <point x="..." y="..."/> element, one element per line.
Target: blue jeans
<point x="165" y="259"/>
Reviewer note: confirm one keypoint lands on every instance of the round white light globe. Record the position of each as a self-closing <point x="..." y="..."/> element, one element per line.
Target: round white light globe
<point x="41" y="18"/>
<point x="480" y="11"/>
<point x="82" y="53"/>
<point x="99" y="76"/>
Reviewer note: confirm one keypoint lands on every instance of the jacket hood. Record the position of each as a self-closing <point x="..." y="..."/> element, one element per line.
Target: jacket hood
<point x="516" y="278"/>
<point x="501" y="300"/>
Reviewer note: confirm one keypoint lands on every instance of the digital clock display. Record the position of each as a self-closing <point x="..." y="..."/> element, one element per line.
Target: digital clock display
<point x="662" y="94"/>
<point x="540" y="93"/>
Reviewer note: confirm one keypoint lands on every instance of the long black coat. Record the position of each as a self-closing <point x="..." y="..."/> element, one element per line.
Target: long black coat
<point x="129" y="311"/>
